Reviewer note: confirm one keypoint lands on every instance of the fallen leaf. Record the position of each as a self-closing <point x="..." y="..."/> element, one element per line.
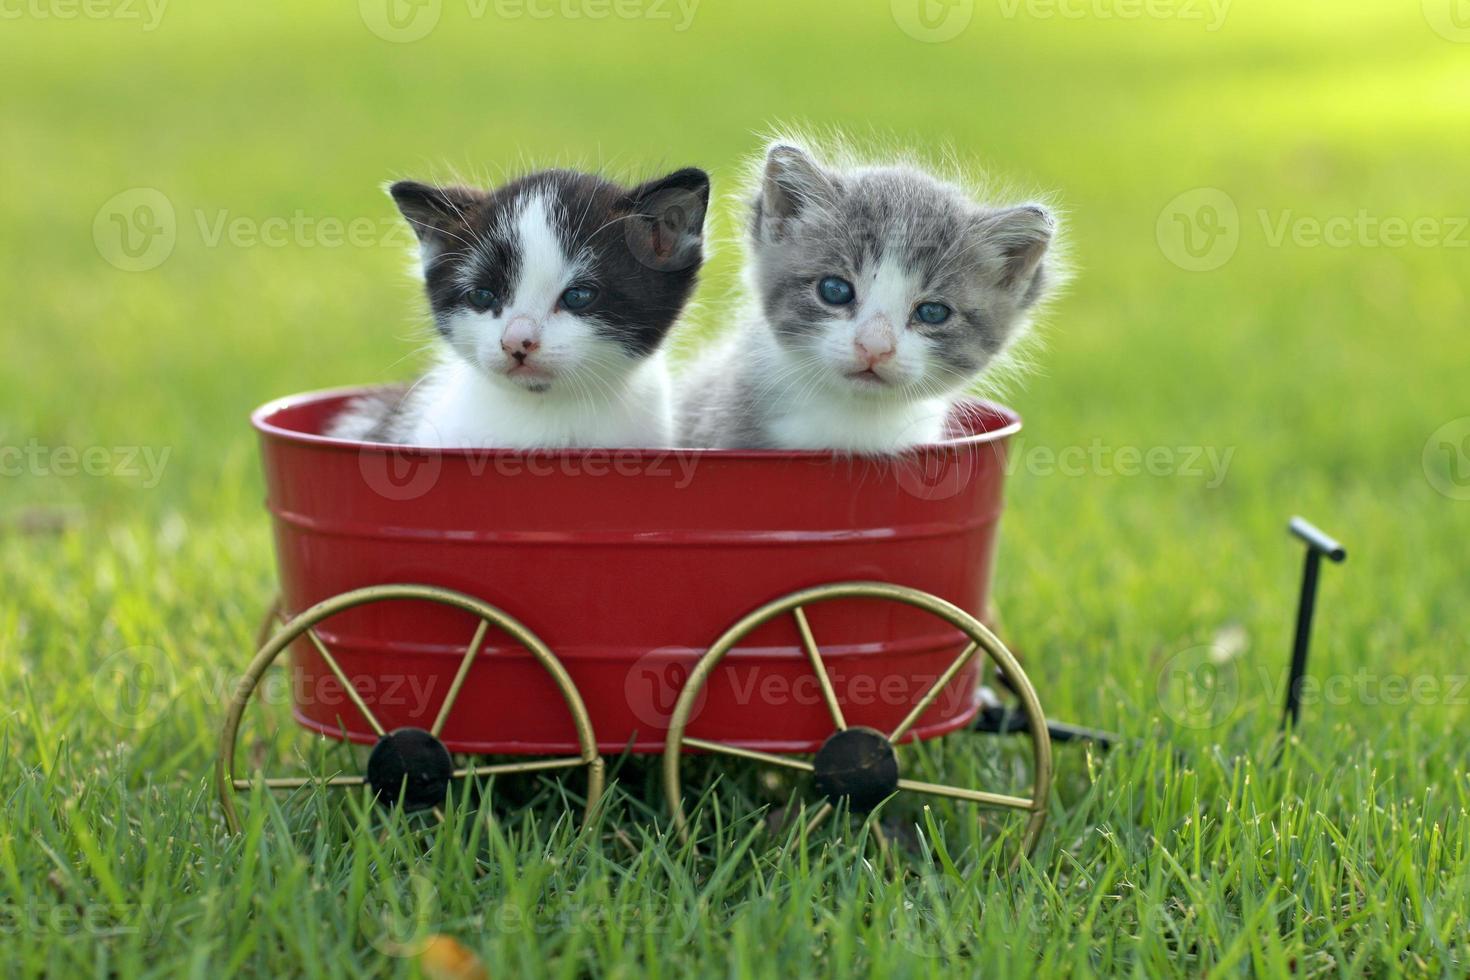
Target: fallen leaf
<point x="444" y="958"/>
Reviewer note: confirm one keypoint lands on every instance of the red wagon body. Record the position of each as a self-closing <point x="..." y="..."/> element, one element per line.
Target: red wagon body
<point x="629" y="564"/>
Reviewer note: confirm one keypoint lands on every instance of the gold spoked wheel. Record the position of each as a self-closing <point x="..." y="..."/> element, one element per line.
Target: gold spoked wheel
<point x="859" y="764"/>
<point x="409" y="765"/>
<point x="273" y="620"/>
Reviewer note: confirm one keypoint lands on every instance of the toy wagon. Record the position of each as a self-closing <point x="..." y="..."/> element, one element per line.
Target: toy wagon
<point x="802" y="610"/>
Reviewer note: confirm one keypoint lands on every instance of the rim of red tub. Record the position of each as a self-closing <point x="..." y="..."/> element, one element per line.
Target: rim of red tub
<point x="1007" y="423"/>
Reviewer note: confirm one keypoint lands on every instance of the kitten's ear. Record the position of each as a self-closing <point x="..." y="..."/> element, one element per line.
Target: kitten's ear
<point x="793" y="181"/>
<point x="1024" y="234"/>
<point x="666" y="231"/>
<point x="433" y="212"/>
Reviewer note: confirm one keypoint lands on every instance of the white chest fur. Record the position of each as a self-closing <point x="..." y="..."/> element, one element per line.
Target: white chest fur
<point x="458" y="406"/>
<point x="857" y="425"/>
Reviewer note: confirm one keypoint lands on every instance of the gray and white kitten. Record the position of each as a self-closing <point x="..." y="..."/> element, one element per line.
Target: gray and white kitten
<point x="877" y="294"/>
<point x="552" y="296"/>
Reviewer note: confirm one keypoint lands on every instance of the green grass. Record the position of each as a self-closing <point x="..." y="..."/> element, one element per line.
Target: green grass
<point x="1325" y="371"/>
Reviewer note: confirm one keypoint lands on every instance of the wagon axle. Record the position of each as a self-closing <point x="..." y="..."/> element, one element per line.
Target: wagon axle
<point x="410" y="766"/>
<point x="858" y="765"/>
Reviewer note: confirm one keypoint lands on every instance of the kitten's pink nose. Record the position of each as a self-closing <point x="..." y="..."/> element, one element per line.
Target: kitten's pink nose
<point x="522" y="338"/>
<point x="874" y="343"/>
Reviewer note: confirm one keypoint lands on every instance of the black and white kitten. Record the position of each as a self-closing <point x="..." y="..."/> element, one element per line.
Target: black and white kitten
<point x="552" y="295"/>
<point x="877" y="295"/>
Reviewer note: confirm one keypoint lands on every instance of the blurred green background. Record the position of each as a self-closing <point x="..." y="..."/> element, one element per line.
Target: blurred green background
<point x="1266" y="203"/>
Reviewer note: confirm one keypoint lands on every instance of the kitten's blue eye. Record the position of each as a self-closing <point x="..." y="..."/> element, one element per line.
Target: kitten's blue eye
<point x="578" y="297"/>
<point x="480" y="299"/>
<point x="835" y="291"/>
<point x="932" y="312"/>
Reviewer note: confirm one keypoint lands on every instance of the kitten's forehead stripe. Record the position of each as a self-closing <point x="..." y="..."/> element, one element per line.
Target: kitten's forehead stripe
<point x="892" y="286"/>
<point x="545" y="269"/>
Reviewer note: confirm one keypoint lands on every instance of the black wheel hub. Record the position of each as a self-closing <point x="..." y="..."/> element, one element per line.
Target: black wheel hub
<point x="858" y="765"/>
<point x="411" y="765"/>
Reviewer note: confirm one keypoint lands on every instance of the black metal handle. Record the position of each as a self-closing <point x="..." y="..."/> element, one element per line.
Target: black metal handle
<point x="997" y="720"/>
<point x="1319" y="543"/>
<point x="1317" y="539"/>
